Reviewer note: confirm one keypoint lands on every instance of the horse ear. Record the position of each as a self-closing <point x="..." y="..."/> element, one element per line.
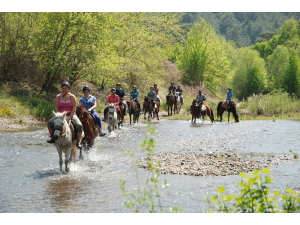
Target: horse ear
<point x="64" y="114"/>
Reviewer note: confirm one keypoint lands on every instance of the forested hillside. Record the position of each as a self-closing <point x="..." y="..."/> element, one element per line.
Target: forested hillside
<point x="243" y="27"/>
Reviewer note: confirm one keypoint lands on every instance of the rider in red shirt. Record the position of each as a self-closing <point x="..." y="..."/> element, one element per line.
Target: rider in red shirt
<point x="113" y="98"/>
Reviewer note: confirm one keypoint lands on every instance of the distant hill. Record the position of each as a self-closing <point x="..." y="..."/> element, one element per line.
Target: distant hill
<point x="245" y="28"/>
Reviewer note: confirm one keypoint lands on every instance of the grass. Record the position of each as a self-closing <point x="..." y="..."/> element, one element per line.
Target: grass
<point x="296" y="156"/>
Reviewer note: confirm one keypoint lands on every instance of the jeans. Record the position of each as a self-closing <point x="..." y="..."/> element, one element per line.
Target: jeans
<point x="98" y="119"/>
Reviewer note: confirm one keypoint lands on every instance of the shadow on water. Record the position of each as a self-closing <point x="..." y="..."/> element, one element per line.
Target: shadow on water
<point x="64" y="192"/>
<point x="44" y="174"/>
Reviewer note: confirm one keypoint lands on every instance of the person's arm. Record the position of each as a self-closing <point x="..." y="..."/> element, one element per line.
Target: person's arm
<point x="73" y="99"/>
<point x="56" y="102"/>
<point x="94" y="107"/>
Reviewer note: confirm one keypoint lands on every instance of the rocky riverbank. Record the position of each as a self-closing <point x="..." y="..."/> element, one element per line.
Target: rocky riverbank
<point x="210" y="164"/>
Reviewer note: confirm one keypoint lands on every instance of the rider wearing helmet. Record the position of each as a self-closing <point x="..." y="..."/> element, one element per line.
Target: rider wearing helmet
<point x="229" y="97"/>
<point x="66" y="102"/>
<point x="201" y="98"/>
<point x="180" y="93"/>
<point x="113" y="98"/>
<point x="90" y="103"/>
<point x="172" y="89"/>
<point x="155" y="89"/>
<point x="134" y="94"/>
<point x="121" y="93"/>
<point x="152" y="96"/>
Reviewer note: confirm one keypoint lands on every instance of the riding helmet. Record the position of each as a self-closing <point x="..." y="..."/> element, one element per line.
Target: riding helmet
<point x="86" y="88"/>
<point x="178" y="85"/>
<point x="151" y="86"/>
<point x="65" y="84"/>
<point x="155" y="84"/>
<point x="134" y="86"/>
<point x="229" y="88"/>
<point x="172" y="82"/>
<point x="113" y="90"/>
<point x="119" y="84"/>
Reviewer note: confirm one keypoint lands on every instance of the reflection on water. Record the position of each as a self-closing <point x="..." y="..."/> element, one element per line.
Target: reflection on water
<point x="30" y="180"/>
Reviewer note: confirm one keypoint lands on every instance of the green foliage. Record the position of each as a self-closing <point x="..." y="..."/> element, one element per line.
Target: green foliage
<point x="276" y="102"/>
<point x="296" y="156"/>
<point x="255" y="196"/>
<point x="292" y="75"/>
<point x="276" y="65"/>
<point x="204" y="57"/>
<point x="148" y="198"/>
<point x="249" y="66"/>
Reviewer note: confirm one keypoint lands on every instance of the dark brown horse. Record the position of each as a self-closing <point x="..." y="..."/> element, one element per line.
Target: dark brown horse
<point x="206" y="111"/>
<point x="230" y="109"/>
<point x="133" y="110"/>
<point x="149" y="108"/>
<point x="90" y="128"/>
<point x="123" y="110"/>
<point x="171" y="103"/>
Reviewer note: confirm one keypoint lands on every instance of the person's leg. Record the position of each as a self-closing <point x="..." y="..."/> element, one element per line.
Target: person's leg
<point x="98" y="119"/>
<point x="79" y="130"/>
<point x="138" y="105"/>
<point x="199" y="109"/>
<point x="51" y="130"/>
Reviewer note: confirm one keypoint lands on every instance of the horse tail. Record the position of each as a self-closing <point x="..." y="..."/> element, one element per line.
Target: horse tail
<point x="212" y="115"/>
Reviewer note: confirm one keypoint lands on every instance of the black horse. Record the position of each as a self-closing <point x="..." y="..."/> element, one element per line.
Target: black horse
<point x="230" y="109"/>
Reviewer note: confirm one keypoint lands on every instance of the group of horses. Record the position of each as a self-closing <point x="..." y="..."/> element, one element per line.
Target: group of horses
<point x="64" y="129"/>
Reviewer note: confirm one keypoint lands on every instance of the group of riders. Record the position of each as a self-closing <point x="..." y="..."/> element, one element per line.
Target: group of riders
<point x="65" y="101"/>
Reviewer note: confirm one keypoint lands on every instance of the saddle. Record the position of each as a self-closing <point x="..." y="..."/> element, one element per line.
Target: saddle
<point x="73" y="130"/>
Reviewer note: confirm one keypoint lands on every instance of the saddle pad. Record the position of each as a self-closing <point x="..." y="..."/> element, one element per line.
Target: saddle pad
<point x="224" y="104"/>
<point x="203" y="108"/>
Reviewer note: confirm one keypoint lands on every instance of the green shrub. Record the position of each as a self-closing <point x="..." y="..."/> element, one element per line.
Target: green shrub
<point x="255" y="197"/>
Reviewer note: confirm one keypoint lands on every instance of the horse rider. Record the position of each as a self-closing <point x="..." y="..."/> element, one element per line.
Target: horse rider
<point x="172" y="90"/>
<point x="229" y="98"/>
<point x="121" y="93"/>
<point x="201" y="98"/>
<point x="112" y="98"/>
<point x="155" y="89"/>
<point x="66" y="102"/>
<point x="90" y="103"/>
<point x="134" y="94"/>
<point x="152" y="96"/>
<point x="180" y="93"/>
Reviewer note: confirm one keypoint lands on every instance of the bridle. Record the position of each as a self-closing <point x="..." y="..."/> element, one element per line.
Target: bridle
<point x="61" y="129"/>
<point x="81" y="113"/>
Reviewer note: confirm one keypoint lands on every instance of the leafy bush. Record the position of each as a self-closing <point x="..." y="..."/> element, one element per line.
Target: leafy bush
<point x="255" y="197"/>
<point x="276" y="102"/>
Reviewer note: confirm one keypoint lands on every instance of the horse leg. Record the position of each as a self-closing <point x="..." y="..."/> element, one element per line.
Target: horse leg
<point x="228" y="116"/>
<point x="60" y="158"/>
<point x="67" y="155"/>
<point x="168" y="111"/>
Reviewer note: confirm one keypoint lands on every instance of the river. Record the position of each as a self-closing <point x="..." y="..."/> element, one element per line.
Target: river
<point x="30" y="180"/>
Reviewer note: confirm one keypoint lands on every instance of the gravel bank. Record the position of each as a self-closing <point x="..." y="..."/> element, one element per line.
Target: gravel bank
<point x="210" y="164"/>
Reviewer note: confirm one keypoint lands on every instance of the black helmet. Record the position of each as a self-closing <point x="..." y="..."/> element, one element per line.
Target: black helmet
<point x="119" y="84"/>
<point x="134" y="86"/>
<point x="113" y="90"/>
<point x="65" y="84"/>
<point x="229" y="88"/>
<point x="86" y="88"/>
<point x="178" y="85"/>
<point x="151" y="86"/>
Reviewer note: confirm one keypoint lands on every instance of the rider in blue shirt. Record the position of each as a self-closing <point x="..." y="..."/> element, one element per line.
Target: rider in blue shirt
<point x="229" y="98"/>
<point x="121" y="93"/>
<point x="89" y="103"/>
<point x="134" y="96"/>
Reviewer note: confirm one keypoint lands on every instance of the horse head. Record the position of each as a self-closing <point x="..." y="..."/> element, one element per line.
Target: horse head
<point x="111" y="110"/>
<point x="59" y="124"/>
<point x="194" y="103"/>
<point x="236" y="117"/>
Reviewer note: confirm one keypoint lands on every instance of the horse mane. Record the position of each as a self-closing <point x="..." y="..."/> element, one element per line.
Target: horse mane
<point x="60" y="114"/>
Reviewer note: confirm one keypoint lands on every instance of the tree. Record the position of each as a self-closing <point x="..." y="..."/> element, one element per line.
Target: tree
<point x="249" y="66"/>
<point x="292" y="75"/>
<point x="204" y="57"/>
<point x="276" y="66"/>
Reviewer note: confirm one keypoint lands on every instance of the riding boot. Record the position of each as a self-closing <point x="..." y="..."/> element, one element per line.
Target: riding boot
<point x="101" y="134"/>
<point x="78" y="145"/>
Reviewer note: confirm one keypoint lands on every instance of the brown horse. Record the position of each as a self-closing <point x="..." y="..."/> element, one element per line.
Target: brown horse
<point x="133" y="110"/>
<point x="90" y="127"/>
<point x="230" y="109"/>
<point x="149" y="108"/>
<point x="171" y="103"/>
<point x="206" y="111"/>
<point x="123" y="111"/>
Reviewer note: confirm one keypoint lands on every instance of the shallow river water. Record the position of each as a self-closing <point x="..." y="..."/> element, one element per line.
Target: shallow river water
<point x="30" y="180"/>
